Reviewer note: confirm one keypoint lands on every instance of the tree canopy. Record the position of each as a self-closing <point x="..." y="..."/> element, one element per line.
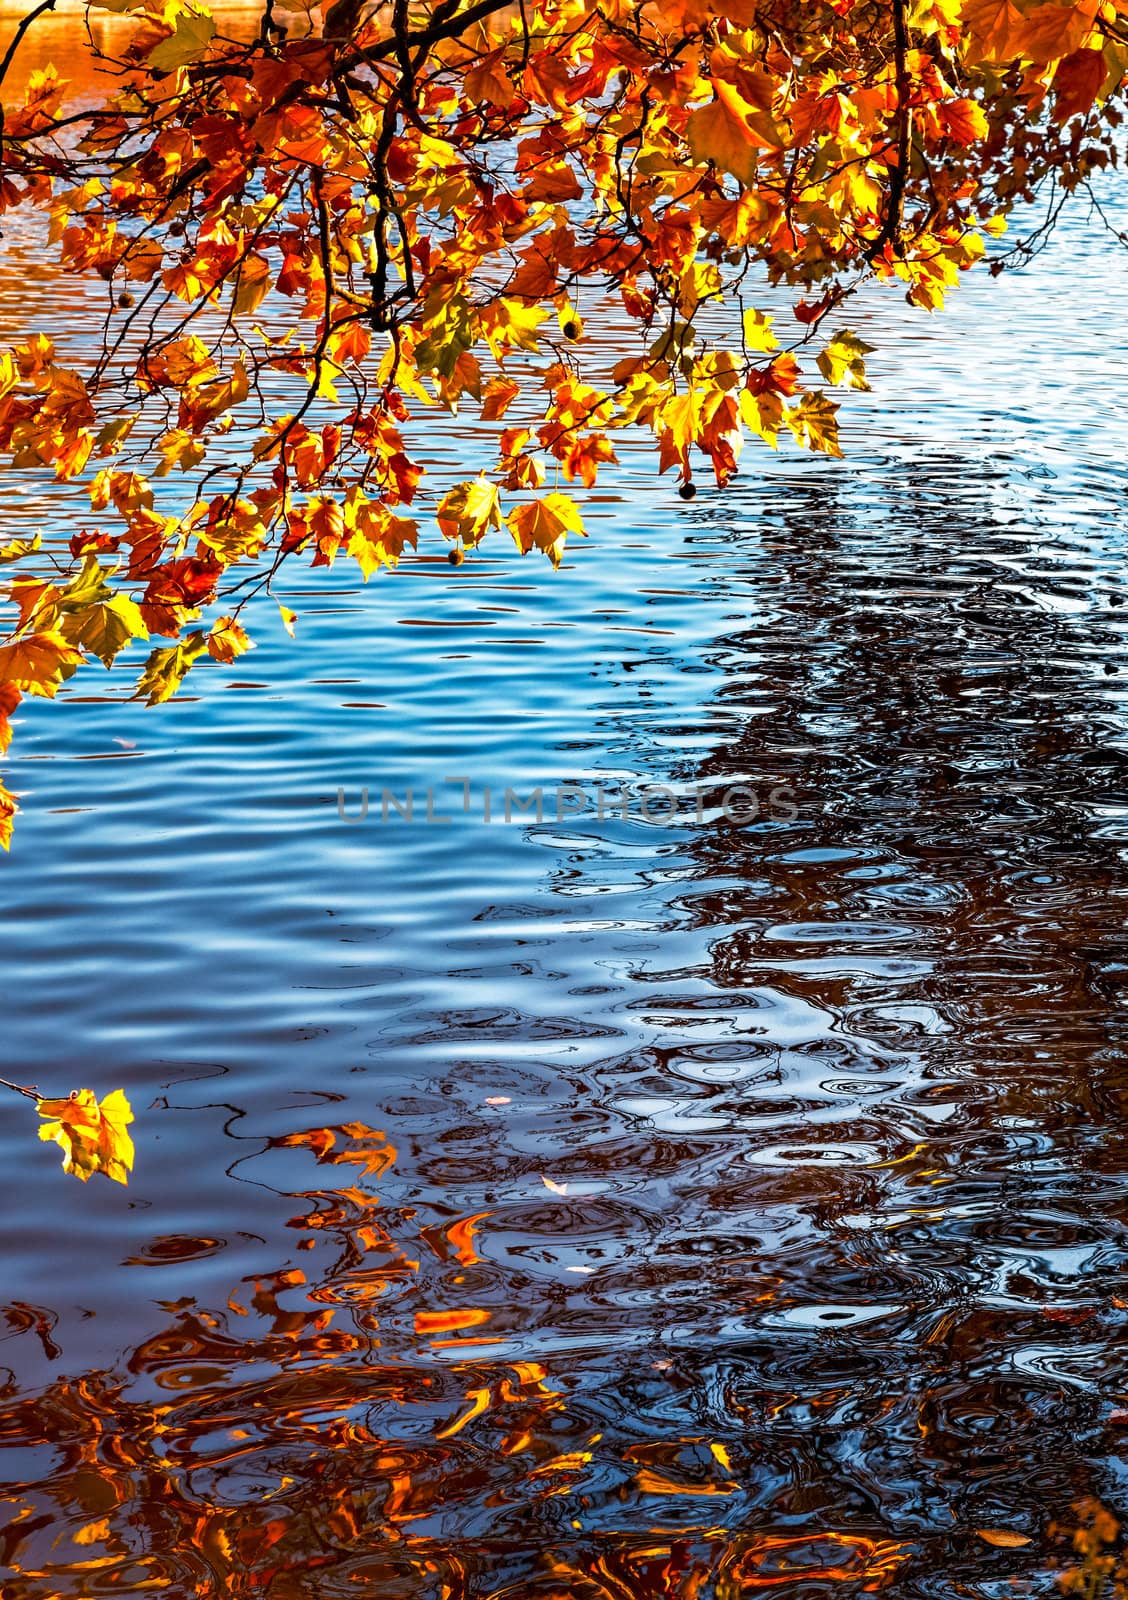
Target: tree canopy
<point x="309" y="235"/>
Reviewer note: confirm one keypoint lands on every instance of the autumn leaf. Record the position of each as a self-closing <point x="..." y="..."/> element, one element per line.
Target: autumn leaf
<point x="8" y="809"/>
<point x="963" y="121"/>
<point x="731" y="134"/>
<point x="814" y="422"/>
<point x="165" y="669"/>
<point x="38" y="662"/>
<point x="19" y="549"/>
<point x="545" y="524"/>
<point x="228" y="640"/>
<point x="991" y="28"/>
<point x="758" y="333"/>
<point x="251" y="286"/>
<point x="1078" y="80"/>
<point x="1002" y="1538"/>
<point x="469" y="510"/>
<point x="194" y="32"/>
<point x="498" y="395"/>
<point x="10" y="697"/>
<point x="91" y="1134"/>
<point x="841" y="361"/>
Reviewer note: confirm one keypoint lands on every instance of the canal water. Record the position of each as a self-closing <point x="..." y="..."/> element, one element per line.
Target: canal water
<point x="726" y="1196"/>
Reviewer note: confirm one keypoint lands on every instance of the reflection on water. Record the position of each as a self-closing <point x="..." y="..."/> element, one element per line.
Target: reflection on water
<point x="828" y="1271"/>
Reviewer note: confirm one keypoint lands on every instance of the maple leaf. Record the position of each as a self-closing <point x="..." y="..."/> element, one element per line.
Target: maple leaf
<point x="498" y="395"/>
<point x="757" y="328"/>
<point x="107" y="626"/>
<point x="545" y="524"/>
<point x="227" y="640"/>
<point x="378" y="538"/>
<point x="18" y="549"/>
<point x="841" y="360"/>
<point x="722" y="434"/>
<point x="10" y="697"/>
<point x="38" y="662"/>
<point x="251" y="286"/>
<point x="731" y="133"/>
<point x="963" y="121"/>
<point x="165" y="669"/>
<point x="1046" y="32"/>
<point x="193" y="33"/>
<point x="469" y="510"/>
<point x="814" y="422"/>
<point x="991" y="28"/>
<point x="91" y="1134"/>
<point x="1078" y="80"/>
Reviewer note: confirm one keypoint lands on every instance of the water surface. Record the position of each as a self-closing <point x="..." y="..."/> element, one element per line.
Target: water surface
<point x="830" y="1268"/>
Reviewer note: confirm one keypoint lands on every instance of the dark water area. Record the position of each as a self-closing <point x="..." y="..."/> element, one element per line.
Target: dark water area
<point x="829" y="1269"/>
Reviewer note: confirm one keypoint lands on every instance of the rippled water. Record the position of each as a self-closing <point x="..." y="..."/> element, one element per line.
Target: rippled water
<point x="831" y="1270"/>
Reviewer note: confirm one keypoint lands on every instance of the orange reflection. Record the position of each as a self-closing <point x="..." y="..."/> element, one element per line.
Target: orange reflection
<point x="772" y="1560"/>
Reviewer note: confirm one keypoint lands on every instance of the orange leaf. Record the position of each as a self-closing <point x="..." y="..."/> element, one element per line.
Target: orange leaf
<point x="731" y="133"/>
<point x="8" y="809"/>
<point x="92" y="1135"/>
<point x="1077" y="82"/>
<point x="963" y="121"/>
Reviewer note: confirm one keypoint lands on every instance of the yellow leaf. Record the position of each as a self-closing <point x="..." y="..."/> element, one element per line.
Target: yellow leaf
<point x="252" y="285"/>
<point x="16" y="549"/>
<point x="814" y="422"/>
<point x="469" y="510"/>
<point x="8" y="809"/>
<point x="227" y="640"/>
<point x="189" y="42"/>
<point x="179" y="449"/>
<point x="731" y="133"/>
<point x="505" y="323"/>
<point x="763" y="414"/>
<point x="288" y="619"/>
<point x="165" y="669"/>
<point x="92" y="1136"/>
<point x="107" y="626"/>
<point x="841" y="360"/>
<point x="377" y="538"/>
<point x="1002" y="1538"/>
<point x="758" y="333"/>
<point x="545" y="525"/>
<point x="38" y="662"/>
